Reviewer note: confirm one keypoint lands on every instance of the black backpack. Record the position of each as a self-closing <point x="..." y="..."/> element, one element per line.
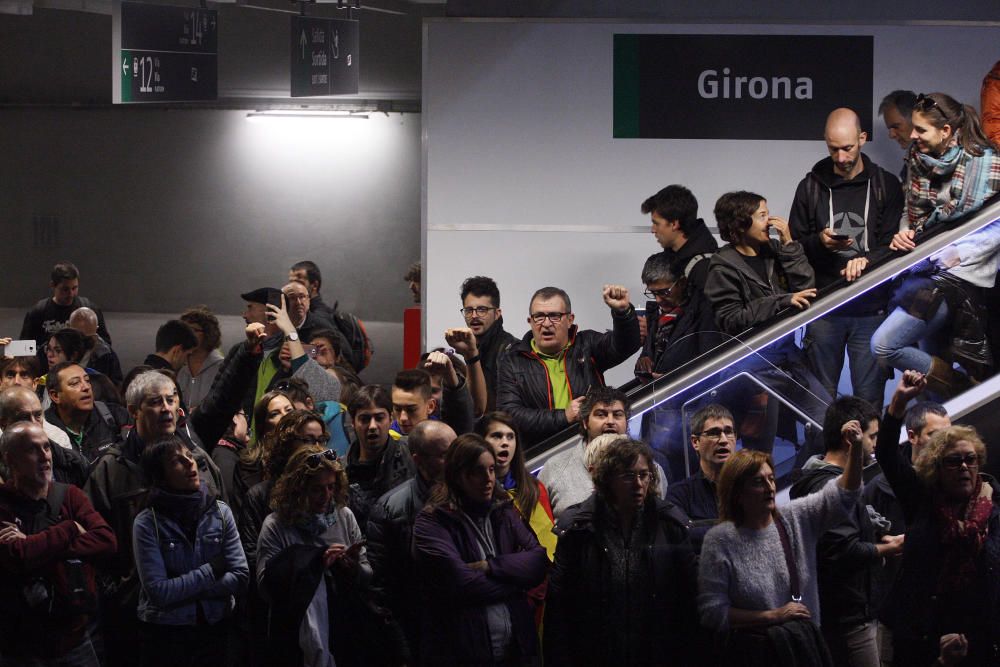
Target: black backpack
<point x="354" y="331"/>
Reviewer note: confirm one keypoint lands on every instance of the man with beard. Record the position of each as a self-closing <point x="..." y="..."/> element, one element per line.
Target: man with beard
<point x="846" y="209"/>
<point x="565" y="475"/>
<point x="713" y="438"/>
<point x="483" y="317"/>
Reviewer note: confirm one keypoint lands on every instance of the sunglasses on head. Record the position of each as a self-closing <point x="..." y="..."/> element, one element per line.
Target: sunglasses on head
<point x="316" y="460"/>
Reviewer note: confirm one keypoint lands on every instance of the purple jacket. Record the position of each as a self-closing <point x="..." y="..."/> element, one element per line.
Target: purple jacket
<point x="455" y="597"/>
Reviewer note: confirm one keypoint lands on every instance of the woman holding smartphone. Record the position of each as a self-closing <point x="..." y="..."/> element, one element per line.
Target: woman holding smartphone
<point x="311" y="562"/>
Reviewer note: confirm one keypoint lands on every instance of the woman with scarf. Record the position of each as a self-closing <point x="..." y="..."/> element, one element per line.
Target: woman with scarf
<point x="952" y="170"/>
<point x="189" y="560"/>
<point x="477" y="559"/>
<point x="311" y="563"/>
<point x="947" y="598"/>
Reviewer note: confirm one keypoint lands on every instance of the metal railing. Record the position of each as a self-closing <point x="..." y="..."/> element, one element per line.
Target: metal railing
<point x="645" y="397"/>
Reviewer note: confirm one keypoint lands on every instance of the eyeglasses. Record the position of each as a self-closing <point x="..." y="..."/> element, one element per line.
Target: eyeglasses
<point x="478" y="310"/>
<point x="296" y="297"/>
<point x="717" y="433"/>
<point x="539" y="318"/>
<point x="316" y="460"/>
<point x="312" y="440"/>
<point x="660" y="293"/>
<point x="630" y="477"/>
<point x="955" y="461"/>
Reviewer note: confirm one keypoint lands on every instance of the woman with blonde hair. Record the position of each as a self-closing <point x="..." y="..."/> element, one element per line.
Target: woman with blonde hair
<point x="757" y="574"/>
<point x="946" y="603"/>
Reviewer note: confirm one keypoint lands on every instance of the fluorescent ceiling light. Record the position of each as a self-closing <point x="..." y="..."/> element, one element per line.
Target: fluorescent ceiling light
<point x="305" y="113"/>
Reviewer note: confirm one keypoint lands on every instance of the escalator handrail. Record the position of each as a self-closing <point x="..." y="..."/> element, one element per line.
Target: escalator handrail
<point x="752" y="341"/>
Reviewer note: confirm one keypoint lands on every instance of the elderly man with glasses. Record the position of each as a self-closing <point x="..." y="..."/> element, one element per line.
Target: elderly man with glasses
<point x="544" y="378"/>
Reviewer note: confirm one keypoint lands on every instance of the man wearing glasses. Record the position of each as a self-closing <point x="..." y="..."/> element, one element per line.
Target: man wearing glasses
<point x="713" y="438"/>
<point x="544" y="378"/>
<point x="679" y="320"/>
<point x="484" y="321"/>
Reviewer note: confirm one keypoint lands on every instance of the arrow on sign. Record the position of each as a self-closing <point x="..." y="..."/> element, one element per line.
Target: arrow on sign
<point x="125" y="66"/>
<point x="302" y="42"/>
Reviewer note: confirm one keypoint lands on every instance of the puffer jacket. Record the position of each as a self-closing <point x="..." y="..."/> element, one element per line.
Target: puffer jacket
<point x="741" y="299"/>
<point x="177" y="576"/>
<point x="590" y="612"/>
<point x="524" y="390"/>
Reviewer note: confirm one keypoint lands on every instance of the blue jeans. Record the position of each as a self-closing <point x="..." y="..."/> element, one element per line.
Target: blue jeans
<point x="824" y="346"/>
<point x="895" y="342"/>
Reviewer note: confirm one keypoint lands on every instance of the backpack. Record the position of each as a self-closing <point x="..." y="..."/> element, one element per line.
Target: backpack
<point x="354" y="331"/>
<point x="69" y="588"/>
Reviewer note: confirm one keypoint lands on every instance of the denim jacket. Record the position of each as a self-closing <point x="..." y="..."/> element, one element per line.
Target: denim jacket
<point x="176" y="576"/>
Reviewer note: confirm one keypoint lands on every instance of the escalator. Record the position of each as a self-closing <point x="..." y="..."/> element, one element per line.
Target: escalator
<point x="773" y="411"/>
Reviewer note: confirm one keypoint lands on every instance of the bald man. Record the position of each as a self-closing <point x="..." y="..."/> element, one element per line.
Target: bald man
<point x="20" y="404"/>
<point x="845" y="213"/>
<point x="390" y="530"/>
<point x="50" y="534"/>
<point x="100" y="357"/>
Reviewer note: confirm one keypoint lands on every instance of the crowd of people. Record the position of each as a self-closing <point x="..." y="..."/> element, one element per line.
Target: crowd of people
<point x="265" y="506"/>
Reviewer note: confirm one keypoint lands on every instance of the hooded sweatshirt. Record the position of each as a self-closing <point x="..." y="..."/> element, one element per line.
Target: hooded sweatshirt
<point x="846" y="559"/>
<point x="866" y="208"/>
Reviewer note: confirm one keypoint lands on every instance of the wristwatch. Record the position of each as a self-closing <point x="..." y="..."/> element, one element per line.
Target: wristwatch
<point x="292" y="336"/>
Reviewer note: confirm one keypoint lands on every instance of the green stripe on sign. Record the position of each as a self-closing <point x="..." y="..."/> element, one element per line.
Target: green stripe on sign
<point x="626" y="87"/>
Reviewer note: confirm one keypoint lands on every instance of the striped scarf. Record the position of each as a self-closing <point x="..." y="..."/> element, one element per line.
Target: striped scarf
<point x="943" y="188"/>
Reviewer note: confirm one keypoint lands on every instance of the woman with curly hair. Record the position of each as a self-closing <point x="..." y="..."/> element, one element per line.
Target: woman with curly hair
<point x="310" y="558"/>
<point x="297" y="429"/>
<point x="946" y="603"/>
<point x="477" y="559"/>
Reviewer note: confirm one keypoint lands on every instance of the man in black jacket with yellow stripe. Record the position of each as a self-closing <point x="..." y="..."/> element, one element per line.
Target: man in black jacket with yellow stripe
<point x="544" y="378"/>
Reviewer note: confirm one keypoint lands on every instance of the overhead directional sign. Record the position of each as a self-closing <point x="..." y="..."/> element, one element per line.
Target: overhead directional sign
<point x="164" y="53"/>
<point x="323" y="56"/>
